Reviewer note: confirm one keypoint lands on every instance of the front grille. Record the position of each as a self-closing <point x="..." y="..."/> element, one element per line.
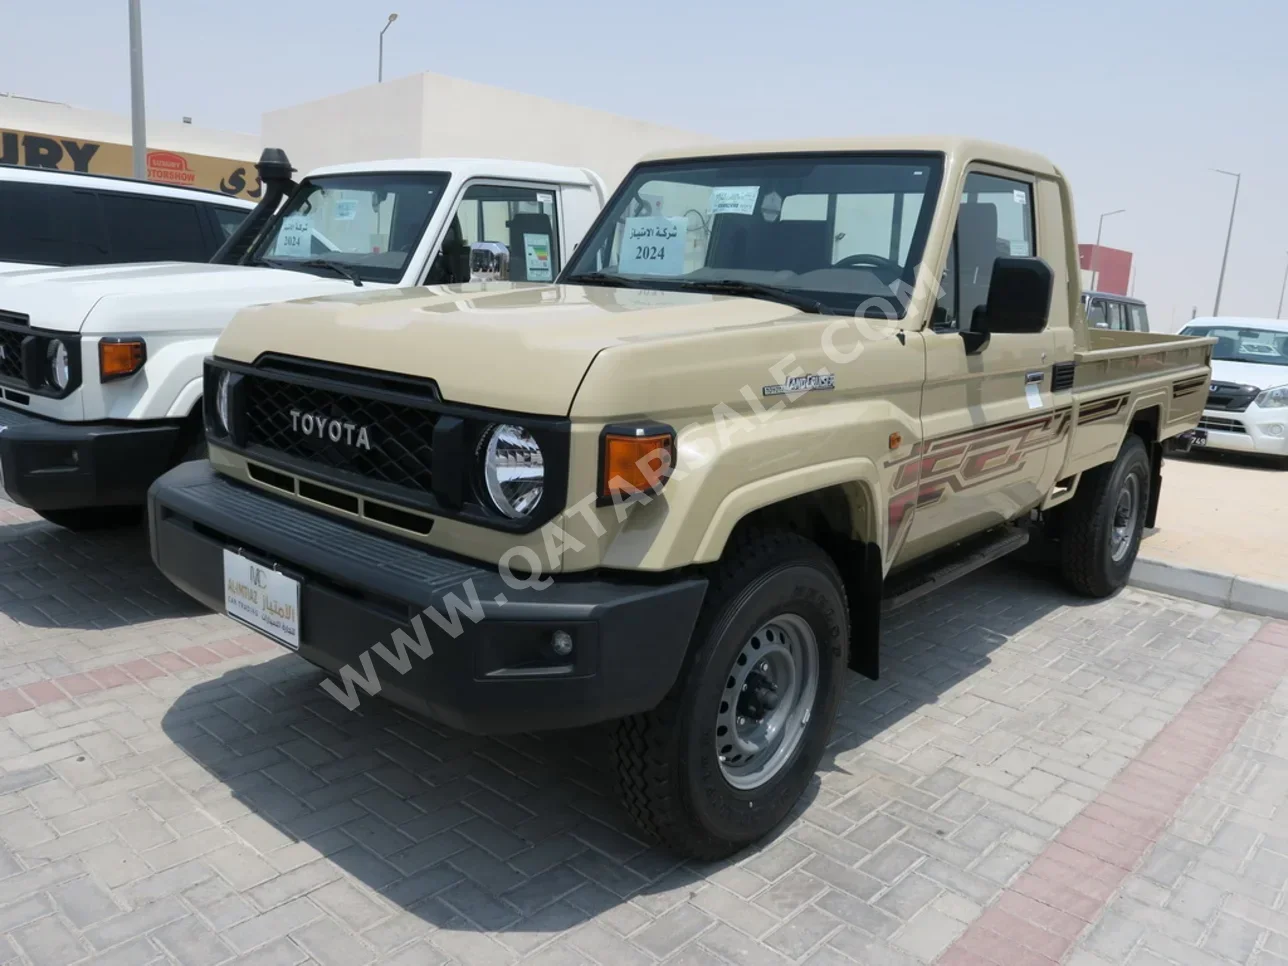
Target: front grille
<point x="328" y="428"/>
<point x="1217" y="424"/>
<point x="1231" y="397"/>
<point x="11" y="369"/>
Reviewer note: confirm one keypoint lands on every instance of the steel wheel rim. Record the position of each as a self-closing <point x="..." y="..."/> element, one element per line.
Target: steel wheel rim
<point x="1126" y="512"/>
<point x="767" y="701"/>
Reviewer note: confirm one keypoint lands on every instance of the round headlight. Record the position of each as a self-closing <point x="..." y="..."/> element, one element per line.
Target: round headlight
<point x="514" y="470"/>
<point x="60" y="365"/>
<point x="223" y="400"/>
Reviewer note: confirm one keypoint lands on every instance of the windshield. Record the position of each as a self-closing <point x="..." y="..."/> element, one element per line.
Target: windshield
<point x="1241" y="344"/>
<point x="368" y="223"/>
<point x="837" y="230"/>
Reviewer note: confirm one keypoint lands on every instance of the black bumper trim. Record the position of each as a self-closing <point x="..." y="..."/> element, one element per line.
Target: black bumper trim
<point x="358" y="587"/>
<point x="49" y="465"/>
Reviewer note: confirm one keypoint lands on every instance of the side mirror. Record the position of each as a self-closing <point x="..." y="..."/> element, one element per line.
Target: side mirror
<point x="1019" y="296"/>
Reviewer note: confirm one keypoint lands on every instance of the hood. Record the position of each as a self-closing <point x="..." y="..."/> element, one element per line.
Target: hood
<point x="1261" y="375"/>
<point x="515" y="346"/>
<point x="8" y="268"/>
<point x="62" y="298"/>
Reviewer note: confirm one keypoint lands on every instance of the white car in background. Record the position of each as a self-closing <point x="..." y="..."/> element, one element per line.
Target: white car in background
<point x="1247" y="408"/>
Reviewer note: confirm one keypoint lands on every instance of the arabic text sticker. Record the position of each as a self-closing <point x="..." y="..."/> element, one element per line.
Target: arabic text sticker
<point x="295" y="238"/>
<point x="653" y="246"/>
<point x="346" y="209"/>
<point x="734" y="201"/>
<point x="1021" y="197"/>
<point x="536" y="249"/>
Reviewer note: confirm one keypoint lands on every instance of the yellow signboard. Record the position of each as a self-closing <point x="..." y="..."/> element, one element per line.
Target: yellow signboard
<point x="234" y="178"/>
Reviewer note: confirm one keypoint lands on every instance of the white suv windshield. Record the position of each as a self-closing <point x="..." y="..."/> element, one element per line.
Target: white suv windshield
<point x="832" y="233"/>
<point x="366" y="224"/>
<point x="1241" y="344"/>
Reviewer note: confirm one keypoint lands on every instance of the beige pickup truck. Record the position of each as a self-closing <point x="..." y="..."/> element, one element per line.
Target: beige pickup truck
<point x="778" y="390"/>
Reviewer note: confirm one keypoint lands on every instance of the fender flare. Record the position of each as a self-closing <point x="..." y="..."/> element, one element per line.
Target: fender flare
<point x="186" y="400"/>
<point x="736" y="505"/>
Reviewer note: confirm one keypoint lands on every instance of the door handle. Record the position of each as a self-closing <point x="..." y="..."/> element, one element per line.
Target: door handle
<point x="1034" y="377"/>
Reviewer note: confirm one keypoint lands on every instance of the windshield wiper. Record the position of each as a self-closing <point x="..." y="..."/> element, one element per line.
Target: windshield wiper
<point x="602" y="278"/>
<point x="758" y="290"/>
<point x="350" y="273"/>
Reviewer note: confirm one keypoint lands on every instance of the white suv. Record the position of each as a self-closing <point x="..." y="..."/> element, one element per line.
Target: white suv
<point x="1247" y="407"/>
<point x="101" y="367"/>
<point x="58" y="218"/>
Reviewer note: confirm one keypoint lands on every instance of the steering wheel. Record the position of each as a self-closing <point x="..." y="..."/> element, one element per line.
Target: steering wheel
<point x="865" y="260"/>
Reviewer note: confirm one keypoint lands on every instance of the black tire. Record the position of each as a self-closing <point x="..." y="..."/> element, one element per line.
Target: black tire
<point x="1087" y="547"/>
<point x="94" y="517"/>
<point x="668" y="767"/>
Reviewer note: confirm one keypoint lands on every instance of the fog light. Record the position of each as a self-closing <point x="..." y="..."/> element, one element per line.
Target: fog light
<point x="1275" y="429"/>
<point x="561" y="643"/>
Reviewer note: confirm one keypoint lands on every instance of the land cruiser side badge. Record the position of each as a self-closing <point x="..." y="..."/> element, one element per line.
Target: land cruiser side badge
<point x="815" y="382"/>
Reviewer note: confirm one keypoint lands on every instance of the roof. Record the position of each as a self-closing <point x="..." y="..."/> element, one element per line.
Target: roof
<point x="1272" y="325"/>
<point x="1113" y="295"/>
<point x="466" y="167"/>
<point x="9" y="172"/>
<point x="953" y="147"/>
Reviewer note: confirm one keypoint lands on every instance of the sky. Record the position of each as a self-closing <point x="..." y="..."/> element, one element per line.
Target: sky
<point x="1135" y="100"/>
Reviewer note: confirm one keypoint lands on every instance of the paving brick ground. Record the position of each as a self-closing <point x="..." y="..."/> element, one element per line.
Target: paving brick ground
<point x="1034" y="780"/>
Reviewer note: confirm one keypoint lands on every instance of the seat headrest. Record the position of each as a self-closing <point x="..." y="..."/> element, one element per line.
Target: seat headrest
<point x="977" y="234"/>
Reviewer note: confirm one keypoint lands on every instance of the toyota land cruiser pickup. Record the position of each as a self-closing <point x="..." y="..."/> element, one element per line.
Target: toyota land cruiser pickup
<point x="779" y="390"/>
<point x="100" y="367"/>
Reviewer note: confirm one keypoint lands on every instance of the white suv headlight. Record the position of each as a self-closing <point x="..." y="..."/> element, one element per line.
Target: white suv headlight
<point x="60" y="365"/>
<point x="1273" y="398"/>
<point x="514" y="470"/>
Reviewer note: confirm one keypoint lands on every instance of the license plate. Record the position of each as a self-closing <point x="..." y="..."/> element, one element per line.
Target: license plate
<point x="262" y="598"/>
<point x="1199" y="438"/>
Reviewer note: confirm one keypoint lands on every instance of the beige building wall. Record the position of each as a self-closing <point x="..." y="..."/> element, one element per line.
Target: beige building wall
<point x="430" y="115"/>
<point x="62" y="120"/>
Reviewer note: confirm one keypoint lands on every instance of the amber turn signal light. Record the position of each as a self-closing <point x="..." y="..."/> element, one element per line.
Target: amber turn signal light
<point x="635" y="460"/>
<point x="118" y="358"/>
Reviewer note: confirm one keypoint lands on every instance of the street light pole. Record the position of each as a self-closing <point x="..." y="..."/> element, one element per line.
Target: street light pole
<point x="1095" y="252"/>
<point x="1220" y="282"/>
<point x="380" y="71"/>
<point x="138" y="135"/>
<point x="1280" y="311"/>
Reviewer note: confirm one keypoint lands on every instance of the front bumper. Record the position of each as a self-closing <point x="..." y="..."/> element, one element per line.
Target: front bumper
<point x="498" y="675"/>
<point x="48" y="465"/>
<point x="1260" y="431"/>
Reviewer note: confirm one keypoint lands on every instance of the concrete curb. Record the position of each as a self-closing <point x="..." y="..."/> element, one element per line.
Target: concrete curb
<point x="1223" y="590"/>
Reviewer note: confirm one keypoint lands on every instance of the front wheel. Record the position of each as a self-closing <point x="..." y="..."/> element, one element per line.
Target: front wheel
<point x="734" y="745"/>
<point x="1104" y="522"/>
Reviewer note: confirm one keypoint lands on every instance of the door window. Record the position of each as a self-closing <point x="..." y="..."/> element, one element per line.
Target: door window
<point x="144" y="229"/>
<point x="1136" y="318"/>
<point x="501" y="232"/>
<point x="1114" y="315"/>
<point x="995" y="220"/>
<point x="50" y="225"/>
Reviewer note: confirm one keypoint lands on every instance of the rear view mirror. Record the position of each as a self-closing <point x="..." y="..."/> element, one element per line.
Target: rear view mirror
<point x="1019" y="296"/>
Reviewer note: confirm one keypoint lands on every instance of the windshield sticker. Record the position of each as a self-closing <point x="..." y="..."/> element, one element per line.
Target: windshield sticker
<point x="772" y="206"/>
<point x="734" y="201"/>
<point x="1020" y="249"/>
<point x="1021" y="197"/>
<point x="295" y="238"/>
<point x="543" y="199"/>
<point x="653" y="246"/>
<point x="536" y="249"/>
<point x="346" y="209"/>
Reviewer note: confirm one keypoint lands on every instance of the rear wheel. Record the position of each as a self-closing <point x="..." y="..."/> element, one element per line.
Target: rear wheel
<point x="1103" y="524"/>
<point x="722" y="761"/>
<point x="94" y="517"/>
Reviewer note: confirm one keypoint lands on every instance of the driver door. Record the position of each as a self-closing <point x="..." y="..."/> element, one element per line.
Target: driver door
<point x="987" y="416"/>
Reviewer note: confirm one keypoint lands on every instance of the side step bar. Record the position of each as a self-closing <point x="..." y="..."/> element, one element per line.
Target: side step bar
<point x="945" y="568"/>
